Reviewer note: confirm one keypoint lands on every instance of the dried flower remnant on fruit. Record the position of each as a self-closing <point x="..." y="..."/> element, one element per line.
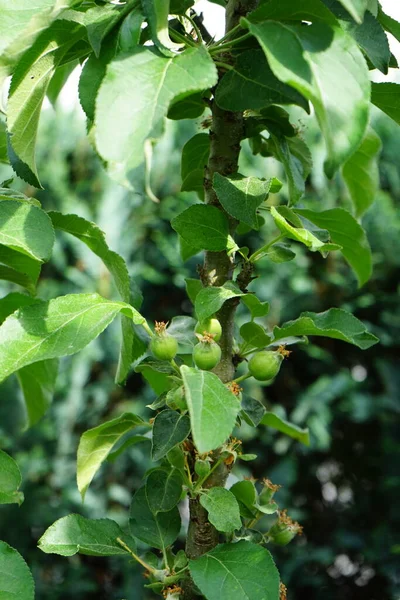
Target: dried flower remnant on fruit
<point x="284" y="519"/>
<point x="283" y="352"/>
<point x="282" y="591"/>
<point x="274" y="487"/>
<point x="172" y="593"/>
<point x="160" y="327"/>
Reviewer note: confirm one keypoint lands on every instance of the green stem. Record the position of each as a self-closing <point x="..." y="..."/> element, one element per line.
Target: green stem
<point x="223" y="65"/>
<point x="178" y="37"/>
<point x="203" y="479"/>
<point x="228" y="46"/>
<point x="135" y="556"/>
<point x="242" y="377"/>
<point x="230" y="33"/>
<point x="261" y="251"/>
<point x="195" y="27"/>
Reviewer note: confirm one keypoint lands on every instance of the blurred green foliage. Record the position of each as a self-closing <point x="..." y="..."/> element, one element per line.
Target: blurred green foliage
<point x="344" y="489"/>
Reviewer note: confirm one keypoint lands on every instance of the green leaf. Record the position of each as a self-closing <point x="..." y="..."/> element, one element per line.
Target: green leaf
<point x="10" y="481"/>
<point x="99" y="21"/>
<point x="93" y="537"/>
<point x="193" y="287"/>
<point x="301" y="234"/>
<point x="372" y="39"/>
<point x="140" y="87"/>
<point x="294" y="167"/>
<point x="255" y="306"/>
<point x="159" y="530"/>
<point x="3" y="143"/>
<point x="356" y="8"/>
<point x="252" y="411"/>
<point x="157" y="373"/>
<point x="37" y="383"/>
<point x="210" y="299"/>
<point x="93" y="74"/>
<point x="340" y="94"/>
<point x="242" y="571"/>
<point x="157" y="13"/>
<point x="241" y="196"/>
<point x="191" y="107"/>
<point x="163" y="490"/>
<point x="223" y="509"/>
<point x="60" y="327"/>
<point x="169" y="429"/>
<point x="391" y="25"/>
<point x="285" y="10"/>
<point x="361" y="173"/>
<point x="26" y="229"/>
<point x="254" y="335"/>
<point x="204" y="227"/>
<point x="334" y="323"/>
<point x="252" y="85"/>
<point x="95" y="445"/>
<point x="59" y="79"/>
<point x="28" y="90"/>
<point x="11" y="303"/>
<point x="132" y="441"/>
<point x="17" y="581"/>
<point x="93" y="237"/>
<point x="212" y="407"/>
<point x="17" y="277"/>
<point x="29" y="268"/>
<point x="386" y="96"/>
<point x="345" y="231"/>
<point x="246" y="495"/>
<point x="272" y="420"/>
<point x="195" y="155"/>
<point x="277" y="253"/>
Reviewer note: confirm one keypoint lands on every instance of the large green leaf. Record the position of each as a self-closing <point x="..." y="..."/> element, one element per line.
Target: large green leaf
<point x="300" y="234"/>
<point x="324" y="64"/>
<point x="28" y="90"/>
<point x="163" y="489"/>
<point x="93" y="237"/>
<point x="21" y="24"/>
<point x="204" y="227"/>
<point x="169" y="429"/>
<point x="10" y="481"/>
<point x="334" y="323"/>
<point x="252" y="85"/>
<point x="361" y="173"/>
<point x="194" y="161"/>
<point x="210" y="299"/>
<point x="272" y="420"/>
<point x="158" y="530"/>
<point x="286" y="10"/>
<point x="212" y="407"/>
<point x="37" y="383"/>
<point x="60" y="327"/>
<point x="95" y="445"/>
<point x="223" y="509"/>
<point x="136" y="93"/>
<point x="241" y="196"/>
<point x="254" y="335"/>
<point x="11" y="303"/>
<point x="386" y="96"/>
<point x="16" y="581"/>
<point x="356" y="8"/>
<point x="242" y="571"/>
<point x="26" y="229"/>
<point x="94" y="537"/>
<point x="19" y="268"/>
<point x="345" y="231"/>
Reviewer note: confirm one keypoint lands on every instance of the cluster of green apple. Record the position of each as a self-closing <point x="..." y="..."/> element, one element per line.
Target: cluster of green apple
<point x="263" y="365"/>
